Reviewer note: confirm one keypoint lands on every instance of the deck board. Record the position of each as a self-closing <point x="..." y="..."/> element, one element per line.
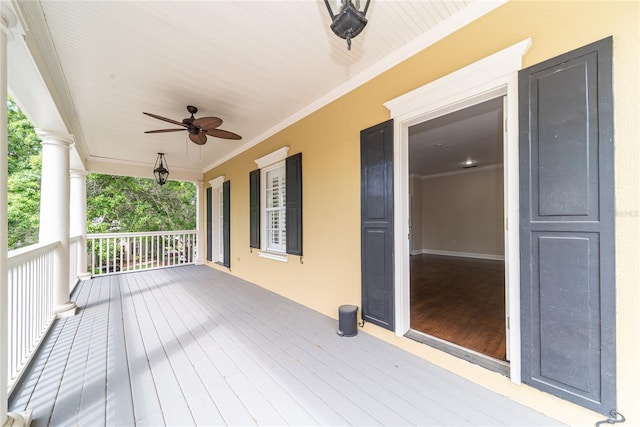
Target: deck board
<point x="195" y="346"/>
<point x="119" y="402"/>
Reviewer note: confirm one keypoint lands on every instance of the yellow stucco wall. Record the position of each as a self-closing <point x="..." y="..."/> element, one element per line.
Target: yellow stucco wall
<point x="329" y="141"/>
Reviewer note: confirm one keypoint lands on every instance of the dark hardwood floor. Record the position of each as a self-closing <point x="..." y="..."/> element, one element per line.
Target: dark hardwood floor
<point x="460" y="300"/>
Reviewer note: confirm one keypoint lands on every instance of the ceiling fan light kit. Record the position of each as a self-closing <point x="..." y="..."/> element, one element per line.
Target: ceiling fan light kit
<point x="348" y="19"/>
<point x="198" y="129"/>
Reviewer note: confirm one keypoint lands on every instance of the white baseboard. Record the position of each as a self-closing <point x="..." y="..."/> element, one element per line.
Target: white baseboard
<point x="458" y="254"/>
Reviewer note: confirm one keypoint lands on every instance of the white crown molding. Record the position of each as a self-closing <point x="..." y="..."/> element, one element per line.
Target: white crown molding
<point x="450" y="26"/>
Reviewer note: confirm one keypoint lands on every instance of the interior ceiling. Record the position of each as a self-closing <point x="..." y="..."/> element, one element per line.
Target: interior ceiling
<point x="445" y="143"/>
<point x="258" y="65"/>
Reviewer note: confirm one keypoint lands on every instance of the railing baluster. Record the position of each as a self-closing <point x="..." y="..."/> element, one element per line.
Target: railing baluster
<point x="100" y="257"/>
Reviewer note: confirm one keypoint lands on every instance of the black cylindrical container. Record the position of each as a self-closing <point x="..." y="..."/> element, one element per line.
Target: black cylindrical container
<point x="347" y="322"/>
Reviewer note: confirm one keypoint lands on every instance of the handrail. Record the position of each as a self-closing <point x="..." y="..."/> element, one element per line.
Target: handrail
<point x="139" y="233"/>
<point x="20" y="256"/>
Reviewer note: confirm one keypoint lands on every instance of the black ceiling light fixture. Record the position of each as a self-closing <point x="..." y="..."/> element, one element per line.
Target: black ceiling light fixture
<point x="160" y="171"/>
<point x="348" y="18"/>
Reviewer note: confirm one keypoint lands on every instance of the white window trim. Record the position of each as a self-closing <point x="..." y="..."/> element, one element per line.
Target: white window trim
<point x="274" y="256"/>
<point x="271" y="158"/>
<point x="217" y="182"/>
<point x="216" y="194"/>
<point x="220" y="225"/>
<point x="495" y="75"/>
<point x="266" y="163"/>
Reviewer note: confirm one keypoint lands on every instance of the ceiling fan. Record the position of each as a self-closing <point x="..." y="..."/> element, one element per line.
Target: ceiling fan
<point x="198" y="128"/>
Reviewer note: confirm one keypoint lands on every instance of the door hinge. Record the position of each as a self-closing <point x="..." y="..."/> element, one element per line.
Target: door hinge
<point x="409" y="236"/>
<point x="509" y="322"/>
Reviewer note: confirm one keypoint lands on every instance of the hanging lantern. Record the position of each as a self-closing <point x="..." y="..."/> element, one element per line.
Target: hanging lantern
<point x="160" y="171"/>
<point x="348" y="19"/>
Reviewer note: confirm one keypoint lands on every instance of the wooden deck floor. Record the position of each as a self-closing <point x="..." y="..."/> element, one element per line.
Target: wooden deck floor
<point x="194" y="346"/>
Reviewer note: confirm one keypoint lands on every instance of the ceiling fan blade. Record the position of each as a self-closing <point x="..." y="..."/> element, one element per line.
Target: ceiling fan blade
<point x="164" y="130"/>
<point x="198" y="138"/>
<point x="224" y="134"/>
<point x="207" y="122"/>
<point x="155" y="116"/>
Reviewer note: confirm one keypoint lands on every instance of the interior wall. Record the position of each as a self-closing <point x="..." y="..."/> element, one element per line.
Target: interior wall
<point x="463" y="213"/>
<point x="329" y="140"/>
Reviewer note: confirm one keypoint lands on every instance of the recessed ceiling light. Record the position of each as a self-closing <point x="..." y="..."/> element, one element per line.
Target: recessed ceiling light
<point x="438" y="144"/>
<point x="469" y="163"/>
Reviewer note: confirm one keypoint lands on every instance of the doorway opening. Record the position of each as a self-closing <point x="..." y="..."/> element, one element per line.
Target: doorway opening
<point x="457" y="233"/>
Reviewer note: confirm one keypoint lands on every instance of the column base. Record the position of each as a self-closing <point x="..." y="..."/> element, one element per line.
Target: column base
<point x="65" y="310"/>
<point x="18" y="419"/>
<point x="84" y="276"/>
<point x="199" y="261"/>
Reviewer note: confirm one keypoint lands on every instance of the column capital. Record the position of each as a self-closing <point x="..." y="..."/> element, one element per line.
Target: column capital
<point x="8" y="20"/>
<point x="55" y="138"/>
<point x="77" y="173"/>
<point x="199" y="184"/>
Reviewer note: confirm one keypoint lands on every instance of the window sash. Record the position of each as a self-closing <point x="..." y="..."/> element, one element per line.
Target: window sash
<point x="220" y="226"/>
<point x="275" y="208"/>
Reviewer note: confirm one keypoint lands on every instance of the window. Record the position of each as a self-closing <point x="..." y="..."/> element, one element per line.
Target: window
<point x="274" y="196"/>
<point x="275" y="205"/>
<point x="220" y="226"/>
<point x="218" y="218"/>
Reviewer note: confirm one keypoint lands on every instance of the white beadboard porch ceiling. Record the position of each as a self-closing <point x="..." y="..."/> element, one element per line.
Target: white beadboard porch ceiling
<point x="258" y="65"/>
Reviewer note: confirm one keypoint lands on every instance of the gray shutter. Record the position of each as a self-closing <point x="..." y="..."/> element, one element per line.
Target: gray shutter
<point x="376" y="198"/>
<point x="226" y="223"/>
<point x="293" y="168"/>
<point x="567" y="227"/>
<point x="254" y="209"/>
<point x="209" y="225"/>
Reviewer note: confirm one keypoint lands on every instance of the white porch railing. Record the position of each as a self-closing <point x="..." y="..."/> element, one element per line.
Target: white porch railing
<point x="30" y="304"/>
<point x="111" y="253"/>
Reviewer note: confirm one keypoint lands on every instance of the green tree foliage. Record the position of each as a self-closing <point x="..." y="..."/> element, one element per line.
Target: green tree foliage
<point x="23" y="205"/>
<point x="127" y="204"/>
<point x="24" y="167"/>
<point x="23" y="143"/>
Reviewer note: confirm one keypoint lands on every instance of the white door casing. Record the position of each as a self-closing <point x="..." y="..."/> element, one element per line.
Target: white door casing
<point x="488" y="78"/>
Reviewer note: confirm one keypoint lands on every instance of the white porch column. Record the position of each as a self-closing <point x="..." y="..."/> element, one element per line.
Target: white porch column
<point x="78" y="220"/>
<point x="54" y="213"/>
<point x="4" y="332"/>
<point x="7" y="21"/>
<point x="200" y="225"/>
